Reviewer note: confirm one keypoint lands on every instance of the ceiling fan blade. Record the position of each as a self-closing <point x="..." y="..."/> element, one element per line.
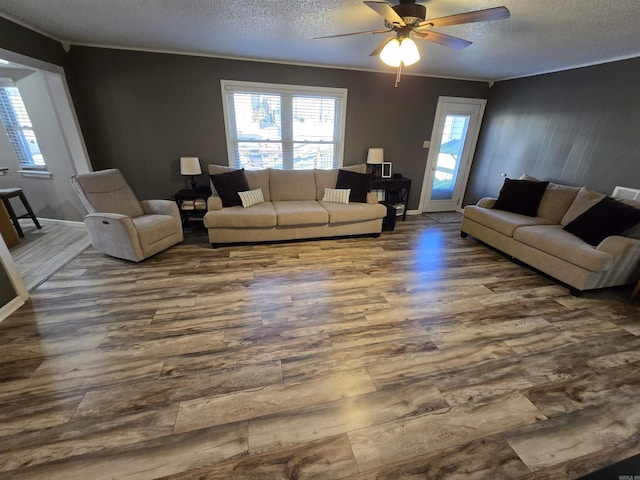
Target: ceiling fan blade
<point x="381" y="47"/>
<point x="385" y="10"/>
<point x="495" y="13"/>
<point x="446" y="40"/>
<point x="353" y="33"/>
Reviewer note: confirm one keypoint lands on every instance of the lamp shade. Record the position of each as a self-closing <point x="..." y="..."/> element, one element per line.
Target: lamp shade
<point x="190" y="166"/>
<point x="375" y="156"/>
<point x="400" y="50"/>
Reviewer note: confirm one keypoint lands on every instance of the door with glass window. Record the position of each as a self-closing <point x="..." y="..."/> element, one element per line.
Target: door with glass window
<point x="453" y="141"/>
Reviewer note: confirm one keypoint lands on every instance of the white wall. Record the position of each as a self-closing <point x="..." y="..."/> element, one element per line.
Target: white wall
<point x="51" y="113"/>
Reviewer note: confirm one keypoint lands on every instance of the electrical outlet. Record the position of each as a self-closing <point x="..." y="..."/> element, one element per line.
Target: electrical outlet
<point x="426" y="144"/>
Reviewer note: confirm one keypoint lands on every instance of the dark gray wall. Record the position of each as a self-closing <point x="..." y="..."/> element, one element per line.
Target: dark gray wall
<point x="141" y="111"/>
<point x="21" y="40"/>
<point x="577" y="127"/>
<point x="7" y="292"/>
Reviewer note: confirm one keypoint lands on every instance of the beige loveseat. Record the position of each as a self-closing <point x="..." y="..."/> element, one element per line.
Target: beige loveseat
<point x="542" y="243"/>
<point x="292" y="209"/>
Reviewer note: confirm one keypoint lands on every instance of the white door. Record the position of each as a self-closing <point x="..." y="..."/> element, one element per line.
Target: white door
<point x="453" y="142"/>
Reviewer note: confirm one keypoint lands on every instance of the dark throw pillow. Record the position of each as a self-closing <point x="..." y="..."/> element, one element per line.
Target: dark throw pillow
<point x="358" y="183"/>
<point x="228" y="185"/>
<point x="607" y="217"/>
<point x="520" y="196"/>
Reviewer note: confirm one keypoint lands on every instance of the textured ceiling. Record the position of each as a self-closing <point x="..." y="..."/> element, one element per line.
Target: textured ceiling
<point x="541" y="35"/>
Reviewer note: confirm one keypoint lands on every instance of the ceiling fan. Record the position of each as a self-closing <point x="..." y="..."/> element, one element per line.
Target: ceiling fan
<point x="409" y="18"/>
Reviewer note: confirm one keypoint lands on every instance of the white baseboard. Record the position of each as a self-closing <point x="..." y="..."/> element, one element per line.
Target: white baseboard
<point x="70" y="223"/>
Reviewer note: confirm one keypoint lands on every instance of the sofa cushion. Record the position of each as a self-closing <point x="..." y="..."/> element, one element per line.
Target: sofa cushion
<point x="354" y="212"/>
<point x="228" y="185"/>
<point x="556" y="200"/>
<point x="521" y="196"/>
<point x="585" y="199"/>
<point x="358" y="183"/>
<point x="325" y="179"/>
<point x="153" y="228"/>
<point x="300" y="212"/>
<point x="260" y="215"/>
<point x="606" y="218"/>
<point x="501" y="221"/>
<point x="552" y="239"/>
<point x="292" y="185"/>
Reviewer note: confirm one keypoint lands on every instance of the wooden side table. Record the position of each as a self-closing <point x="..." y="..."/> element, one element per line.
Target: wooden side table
<point x="192" y="203"/>
<point x="7" y="229"/>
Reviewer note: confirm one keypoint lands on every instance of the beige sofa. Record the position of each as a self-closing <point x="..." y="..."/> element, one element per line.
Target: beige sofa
<point x="542" y="243"/>
<point x="293" y="209"/>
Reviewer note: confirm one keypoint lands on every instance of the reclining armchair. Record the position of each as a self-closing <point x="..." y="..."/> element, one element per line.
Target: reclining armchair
<point x="120" y="225"/>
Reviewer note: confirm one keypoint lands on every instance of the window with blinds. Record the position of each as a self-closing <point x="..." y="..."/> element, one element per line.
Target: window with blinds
<point x="284" y="126"/>
<point x="16" y="121"/>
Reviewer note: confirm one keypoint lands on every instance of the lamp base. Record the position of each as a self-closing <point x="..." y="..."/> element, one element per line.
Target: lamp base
<point x="194" y="187"/>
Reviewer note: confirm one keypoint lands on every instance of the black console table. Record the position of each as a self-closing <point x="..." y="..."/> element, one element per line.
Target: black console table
<point x="396" y="191"/>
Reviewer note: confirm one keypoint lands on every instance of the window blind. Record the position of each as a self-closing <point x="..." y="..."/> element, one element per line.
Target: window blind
<point x="285" y="127"/>
<point x="15" y="118"/>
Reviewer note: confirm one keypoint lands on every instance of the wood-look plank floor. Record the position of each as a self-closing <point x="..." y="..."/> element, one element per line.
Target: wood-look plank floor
<point x="42" y="252"/>
<point x="415" y="355"/>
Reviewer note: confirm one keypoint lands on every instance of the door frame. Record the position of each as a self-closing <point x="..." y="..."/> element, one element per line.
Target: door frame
<point x="434" y="147"/>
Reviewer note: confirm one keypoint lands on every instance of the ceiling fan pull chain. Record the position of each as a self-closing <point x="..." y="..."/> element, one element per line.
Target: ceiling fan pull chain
<point x="398" y="74"/>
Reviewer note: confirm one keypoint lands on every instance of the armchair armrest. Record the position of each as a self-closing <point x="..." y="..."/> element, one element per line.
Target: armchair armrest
<point x="160" y="207"/>
<point x="486" y="202"/>
<point x="114" y="234"/>
<point x="214" y="203"/>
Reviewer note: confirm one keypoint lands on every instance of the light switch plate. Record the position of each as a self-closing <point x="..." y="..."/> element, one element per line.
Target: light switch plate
<point x="426" y="144"/>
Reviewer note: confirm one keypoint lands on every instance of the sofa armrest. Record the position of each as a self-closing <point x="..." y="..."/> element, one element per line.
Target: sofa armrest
<point x="625" y="267"/>
<point x="214" y="203"/>
<point x="486" y="202"/>
<point x="372" y="198"/>
<point x="617" y="245"/>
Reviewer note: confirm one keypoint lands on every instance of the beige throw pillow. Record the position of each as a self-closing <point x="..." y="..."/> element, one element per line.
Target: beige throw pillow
<point x="336" y="195"/>
<point x="251" y="197"/>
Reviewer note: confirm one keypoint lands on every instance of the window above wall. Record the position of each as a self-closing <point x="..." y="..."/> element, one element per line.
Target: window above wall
<point x="284" y="126"/>
<point x="15" y="118"/>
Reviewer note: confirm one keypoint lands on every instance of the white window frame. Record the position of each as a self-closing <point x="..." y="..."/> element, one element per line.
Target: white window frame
<point x="23" y="153"/>
<point x="287" y="91"/>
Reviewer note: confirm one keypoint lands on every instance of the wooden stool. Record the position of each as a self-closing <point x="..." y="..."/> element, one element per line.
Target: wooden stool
<point x="8" y="193"/>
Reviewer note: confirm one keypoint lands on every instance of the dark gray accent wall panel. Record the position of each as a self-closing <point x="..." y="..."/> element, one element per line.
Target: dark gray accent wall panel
<point x="577" y="127"/>
<point x="141" y="111"/>
<point x="7" y="292"/>
<point x="19" y="39"/>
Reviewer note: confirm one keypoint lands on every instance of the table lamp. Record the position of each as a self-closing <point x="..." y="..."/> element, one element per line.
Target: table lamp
<point x="375" y="157"/>
<point x="190" y="166"/>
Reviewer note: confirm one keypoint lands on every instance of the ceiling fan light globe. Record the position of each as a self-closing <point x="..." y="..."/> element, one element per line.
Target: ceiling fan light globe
<point x="409" y="52"/>
<point x="390" y="54"/>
